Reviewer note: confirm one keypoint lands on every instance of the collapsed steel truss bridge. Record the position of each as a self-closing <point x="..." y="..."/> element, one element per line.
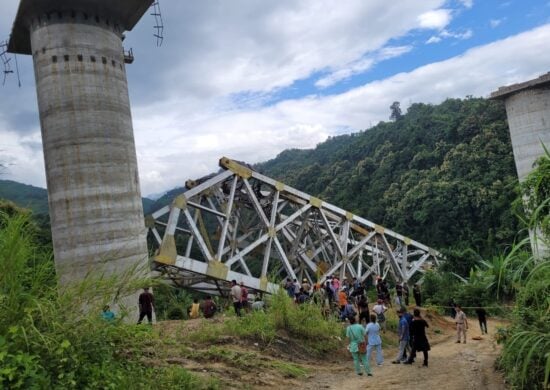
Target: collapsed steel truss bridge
<point x="242" y="225"/>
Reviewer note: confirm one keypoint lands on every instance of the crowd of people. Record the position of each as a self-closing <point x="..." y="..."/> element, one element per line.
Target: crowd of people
<point x="348" y="301"/>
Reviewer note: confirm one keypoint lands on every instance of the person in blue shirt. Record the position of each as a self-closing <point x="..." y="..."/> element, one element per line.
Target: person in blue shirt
<point x="403" y="333"/>
<point x="107" y="314"/>
<point x="348" y="312"/>
<point x="356" y="335"/>
<point x="374" y="340"/>
<point x="409" y="317"/>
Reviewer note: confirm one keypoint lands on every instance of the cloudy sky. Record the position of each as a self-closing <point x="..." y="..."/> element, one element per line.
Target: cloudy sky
<point x="247" y="79"/>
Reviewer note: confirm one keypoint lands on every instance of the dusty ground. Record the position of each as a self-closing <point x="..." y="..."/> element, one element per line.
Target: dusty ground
<point x="241" y="364"/>
<point x="451" y="366"/>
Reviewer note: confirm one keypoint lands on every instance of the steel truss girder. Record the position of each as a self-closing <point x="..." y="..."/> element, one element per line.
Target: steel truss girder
<point x="263" y="229"/>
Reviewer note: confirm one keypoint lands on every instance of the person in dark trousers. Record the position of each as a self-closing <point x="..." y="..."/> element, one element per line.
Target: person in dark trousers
<point x="146" y="303"/>
<point x="452" y="306"/>
<point x="420" y="341"/>
<point x="417" y="295"/>
<point x="482" y="318"/>
<point x="236" y="297"/>
<point x="363" y="306"/>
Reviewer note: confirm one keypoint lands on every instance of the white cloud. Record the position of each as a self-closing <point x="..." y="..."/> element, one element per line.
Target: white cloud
<point x="495" y="22"/>
<point x="467" y="3"/>
<point x="189" y="148"/>
<point x="433" y="39"/>
<point x="362" y="65"/>
<point x="466" y="34"/>
<point x="435" y="19"/>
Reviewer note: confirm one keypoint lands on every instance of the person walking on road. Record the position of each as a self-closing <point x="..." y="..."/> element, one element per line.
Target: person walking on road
<point x="461" y="324"/>
<point x="403" y="333"/>
<point x="482" y="318"/>
<point x="357" y="344"/>
<point x="420" y="341"/>
<point x="236" y="296"/>
<point x="374" y="341"/>
<point x="146" y="302"/>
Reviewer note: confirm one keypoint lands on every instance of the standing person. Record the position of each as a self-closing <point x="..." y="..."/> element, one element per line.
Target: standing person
<point x="244" y="298"/>
<point x="236" y="296"/>
<point x="363" y="306"/>
<point x="289" y="287"/>
<point x="208" y="307"/>
<point x="406" y="292"/>
<point x="420" y="341"/>
<point x="194" y="311"/>
<point x="348" y="312"/>
<point x="335" y="283"/>
<point x="379" y="309"/>
<point x="146" y="302"/>
<point x="374" y="341"/>
<point x="399" y="294"/>
<point x="417" y="295"/>
<point x="306" y="286"/>
<point x="342" y="299"/>
<point x="403" y="333"/>
<point x="482" y="318"/>
<point x="297" y="287"/>
<point x="409" y="318"/>
<point x="380" y="294"/>
<point x="461" y="324"/>
<point x="356" y="335"/>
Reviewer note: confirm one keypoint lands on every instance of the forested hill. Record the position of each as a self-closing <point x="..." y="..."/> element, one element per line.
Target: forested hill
<point x="441" y="174"/>
<point x="36" y="198"/>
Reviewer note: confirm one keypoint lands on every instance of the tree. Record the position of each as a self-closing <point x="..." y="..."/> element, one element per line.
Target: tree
<point x="395" y="111"/>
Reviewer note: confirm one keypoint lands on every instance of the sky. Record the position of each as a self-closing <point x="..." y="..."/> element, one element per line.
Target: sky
<point x="248" y="79"/>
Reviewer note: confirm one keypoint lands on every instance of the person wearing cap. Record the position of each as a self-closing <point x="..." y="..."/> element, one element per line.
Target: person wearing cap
<point x="379" y="309"/>
<point x="306" y="286"/>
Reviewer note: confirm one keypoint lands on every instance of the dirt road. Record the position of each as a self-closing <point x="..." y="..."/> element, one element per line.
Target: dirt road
<point x="451" y="366"/>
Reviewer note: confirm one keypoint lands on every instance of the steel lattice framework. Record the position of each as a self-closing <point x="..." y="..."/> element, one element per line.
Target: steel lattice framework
<point x="242" y="225"/>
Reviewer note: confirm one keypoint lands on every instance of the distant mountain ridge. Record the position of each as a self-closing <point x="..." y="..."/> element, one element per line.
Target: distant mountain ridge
<point x="36" y="198"/>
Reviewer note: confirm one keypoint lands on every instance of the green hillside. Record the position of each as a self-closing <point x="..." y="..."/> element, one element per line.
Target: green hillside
<point x="24" y="195"/>
<point x="36" y="198"/>
<point x="442" y="174"/>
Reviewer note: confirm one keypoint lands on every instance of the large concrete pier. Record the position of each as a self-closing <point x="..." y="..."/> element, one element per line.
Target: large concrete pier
<point x="528" y="111"/>
<point x="92" y="176"/>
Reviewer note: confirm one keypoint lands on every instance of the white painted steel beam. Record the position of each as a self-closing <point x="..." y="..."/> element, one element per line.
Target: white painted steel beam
<point x="264" y="228"/>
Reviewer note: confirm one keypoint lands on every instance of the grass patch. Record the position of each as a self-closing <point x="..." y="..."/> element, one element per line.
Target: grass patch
<point x="289" y="370"/>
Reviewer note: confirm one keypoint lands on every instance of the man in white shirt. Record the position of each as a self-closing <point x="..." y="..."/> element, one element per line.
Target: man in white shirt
<point x="236" y="296"/>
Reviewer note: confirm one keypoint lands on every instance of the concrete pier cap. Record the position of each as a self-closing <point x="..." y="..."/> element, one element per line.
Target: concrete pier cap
<point x="528" y="111"/>
<point x="124" y="12"/>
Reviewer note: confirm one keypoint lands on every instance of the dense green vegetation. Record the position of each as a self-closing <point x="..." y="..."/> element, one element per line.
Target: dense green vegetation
<point x="442" y="174"/>
<point x="48" y="341"/>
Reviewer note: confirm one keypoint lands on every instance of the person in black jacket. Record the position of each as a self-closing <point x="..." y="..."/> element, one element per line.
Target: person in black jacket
<point x="420" y="341"/>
